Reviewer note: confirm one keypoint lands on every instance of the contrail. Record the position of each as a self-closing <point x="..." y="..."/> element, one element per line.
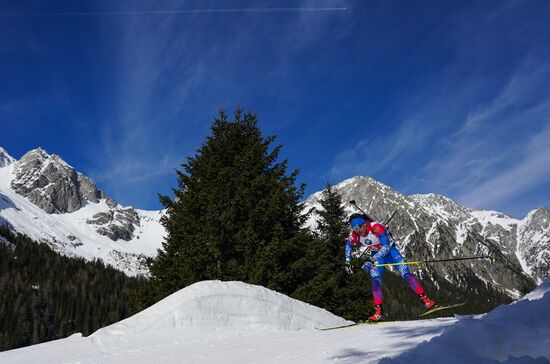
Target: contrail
<point x="176" y="12"/>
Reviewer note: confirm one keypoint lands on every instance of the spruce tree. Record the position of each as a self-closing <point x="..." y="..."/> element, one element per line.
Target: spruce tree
<point x="236" y="214"/>
<point x="331" y="288"/>
<point x="46" y="296"/>
<point x="332" y="223"/>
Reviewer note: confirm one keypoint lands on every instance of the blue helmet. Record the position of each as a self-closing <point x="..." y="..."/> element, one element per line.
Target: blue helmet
<point x="357" y="220"/>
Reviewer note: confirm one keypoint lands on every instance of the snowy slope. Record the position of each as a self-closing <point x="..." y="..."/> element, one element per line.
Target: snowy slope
<point x="515" y="333"/>
<point x="233" y="322"/>
<point x="72" y="234"/>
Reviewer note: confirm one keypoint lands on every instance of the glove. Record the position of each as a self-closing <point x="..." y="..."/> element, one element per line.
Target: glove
<point x="348" y="267"/>
<point x="369" y="263"/>
<point x="367" y="266"/>
<point x="370" y="259"/>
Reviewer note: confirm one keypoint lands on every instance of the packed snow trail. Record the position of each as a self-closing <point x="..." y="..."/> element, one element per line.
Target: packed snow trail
<point x="234" y="322"/>
<point x="231" y="346"/>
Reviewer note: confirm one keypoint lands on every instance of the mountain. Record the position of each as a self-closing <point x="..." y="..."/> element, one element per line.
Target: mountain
<point x="435" y="227"/>
<point x="47" y="199"/>
<point x="234" y="322"/>
<point x="5" y="158"/>
<point x="533" y="243"/>
<point x="51" y="184"/>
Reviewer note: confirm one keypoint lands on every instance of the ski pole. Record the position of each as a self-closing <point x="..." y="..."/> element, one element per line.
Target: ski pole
<point x="352" y="202"/>
<point x="391" y="216"/>
<point x="434" y="261"/>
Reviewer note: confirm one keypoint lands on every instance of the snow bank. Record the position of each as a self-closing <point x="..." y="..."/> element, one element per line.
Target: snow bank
<point x="214" y="305"/>
<point x="515" y="333"/>
<point x="217" y="322"/>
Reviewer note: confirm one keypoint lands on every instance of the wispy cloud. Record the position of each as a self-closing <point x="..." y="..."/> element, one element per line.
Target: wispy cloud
<point x="486" y="154"/>
<point x="381" y="148"/>
<point x="176" y="71"/>
<point x="499" y="142"/>
<point x="531" y="171"/>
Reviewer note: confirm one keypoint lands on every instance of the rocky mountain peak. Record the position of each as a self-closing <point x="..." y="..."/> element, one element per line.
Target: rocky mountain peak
<point x="434" y="199"/>
<point x="442" y="206"/>
<point x="376" y="197"/>
<point x="534" y="243"/>
<point x="5" y="158"/>
<point x="52" y="184"/>
<point x="540" y="215"/>
<point x="434" y="226"/>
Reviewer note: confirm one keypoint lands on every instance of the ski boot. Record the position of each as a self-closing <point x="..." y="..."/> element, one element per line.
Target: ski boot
<point x="428" y="303"/>
<point x="377" y="316"/>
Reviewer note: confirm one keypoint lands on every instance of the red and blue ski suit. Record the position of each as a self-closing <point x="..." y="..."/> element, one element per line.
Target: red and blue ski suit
<point x="383" y="251"/>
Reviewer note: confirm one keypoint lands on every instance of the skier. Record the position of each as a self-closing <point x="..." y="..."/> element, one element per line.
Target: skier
<point x="375" y="236"/>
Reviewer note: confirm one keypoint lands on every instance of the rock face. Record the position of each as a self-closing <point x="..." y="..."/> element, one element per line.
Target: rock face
<point x="51" y="184"/>
<point x="533" y="243"/>
<point x="5" y="158"/>
<point x="56" y="187"/>
<point x="435" y="227"/>
<point x="117" y="223"/>
<point x="48" y="200"/>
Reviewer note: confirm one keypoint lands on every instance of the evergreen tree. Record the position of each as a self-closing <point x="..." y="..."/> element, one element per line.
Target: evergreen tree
<point x="45" y="296"/>
<point x="236" y="213"/>
<point x="332" y="223"/>
<point x="330" y="287"/>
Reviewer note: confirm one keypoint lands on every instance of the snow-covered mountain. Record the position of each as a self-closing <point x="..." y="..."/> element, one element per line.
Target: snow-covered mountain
<point x="47" y="199"/>
<point x="234" y="322"/>
<point x="435" y="227"/>
<point x="44" y="197"/>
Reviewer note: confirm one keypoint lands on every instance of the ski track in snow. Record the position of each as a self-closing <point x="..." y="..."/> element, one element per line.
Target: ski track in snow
<point x="258" y="325"/>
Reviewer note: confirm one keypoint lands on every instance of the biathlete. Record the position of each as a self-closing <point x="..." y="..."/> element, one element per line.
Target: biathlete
<point x="365" y="231"/>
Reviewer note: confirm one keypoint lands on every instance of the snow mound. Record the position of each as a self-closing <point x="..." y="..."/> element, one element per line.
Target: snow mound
<point x="212" y="305"/>
<point x="515" y="333"/>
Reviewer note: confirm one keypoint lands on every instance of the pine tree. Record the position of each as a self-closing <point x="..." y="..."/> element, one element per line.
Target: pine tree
<point x="330" y="287"/>
<point x="332" y="223"/>
<point x="45" y="296"/>
<point x="236" y="213"/>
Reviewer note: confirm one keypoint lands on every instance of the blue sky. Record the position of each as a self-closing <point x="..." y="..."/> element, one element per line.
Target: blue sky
<point x="425" y="96"/>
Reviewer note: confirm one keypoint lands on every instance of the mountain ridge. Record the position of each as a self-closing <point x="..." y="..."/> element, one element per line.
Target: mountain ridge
<point x="45" y="198"/>
<point x="435" y="227"/>
<point x="427" y="225"/>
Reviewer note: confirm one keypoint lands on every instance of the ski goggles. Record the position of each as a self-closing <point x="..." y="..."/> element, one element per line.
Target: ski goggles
<point x="356" y="223"/>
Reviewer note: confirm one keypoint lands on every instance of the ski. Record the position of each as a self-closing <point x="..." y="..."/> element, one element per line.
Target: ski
<point x="440" y="308"/>
<point x="352" y="325"/>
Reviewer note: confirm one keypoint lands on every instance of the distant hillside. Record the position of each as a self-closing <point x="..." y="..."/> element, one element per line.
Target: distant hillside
<point x="46" y="296"/>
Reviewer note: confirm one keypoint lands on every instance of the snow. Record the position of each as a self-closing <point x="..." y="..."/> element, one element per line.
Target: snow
<point x="216" y="304"/>
<point x="516" y="333"/>
<point x="234" y="322"/>
<point x="55" y="229"/>
<point x="5" y="158"/>
<point x="495" y="218"/>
